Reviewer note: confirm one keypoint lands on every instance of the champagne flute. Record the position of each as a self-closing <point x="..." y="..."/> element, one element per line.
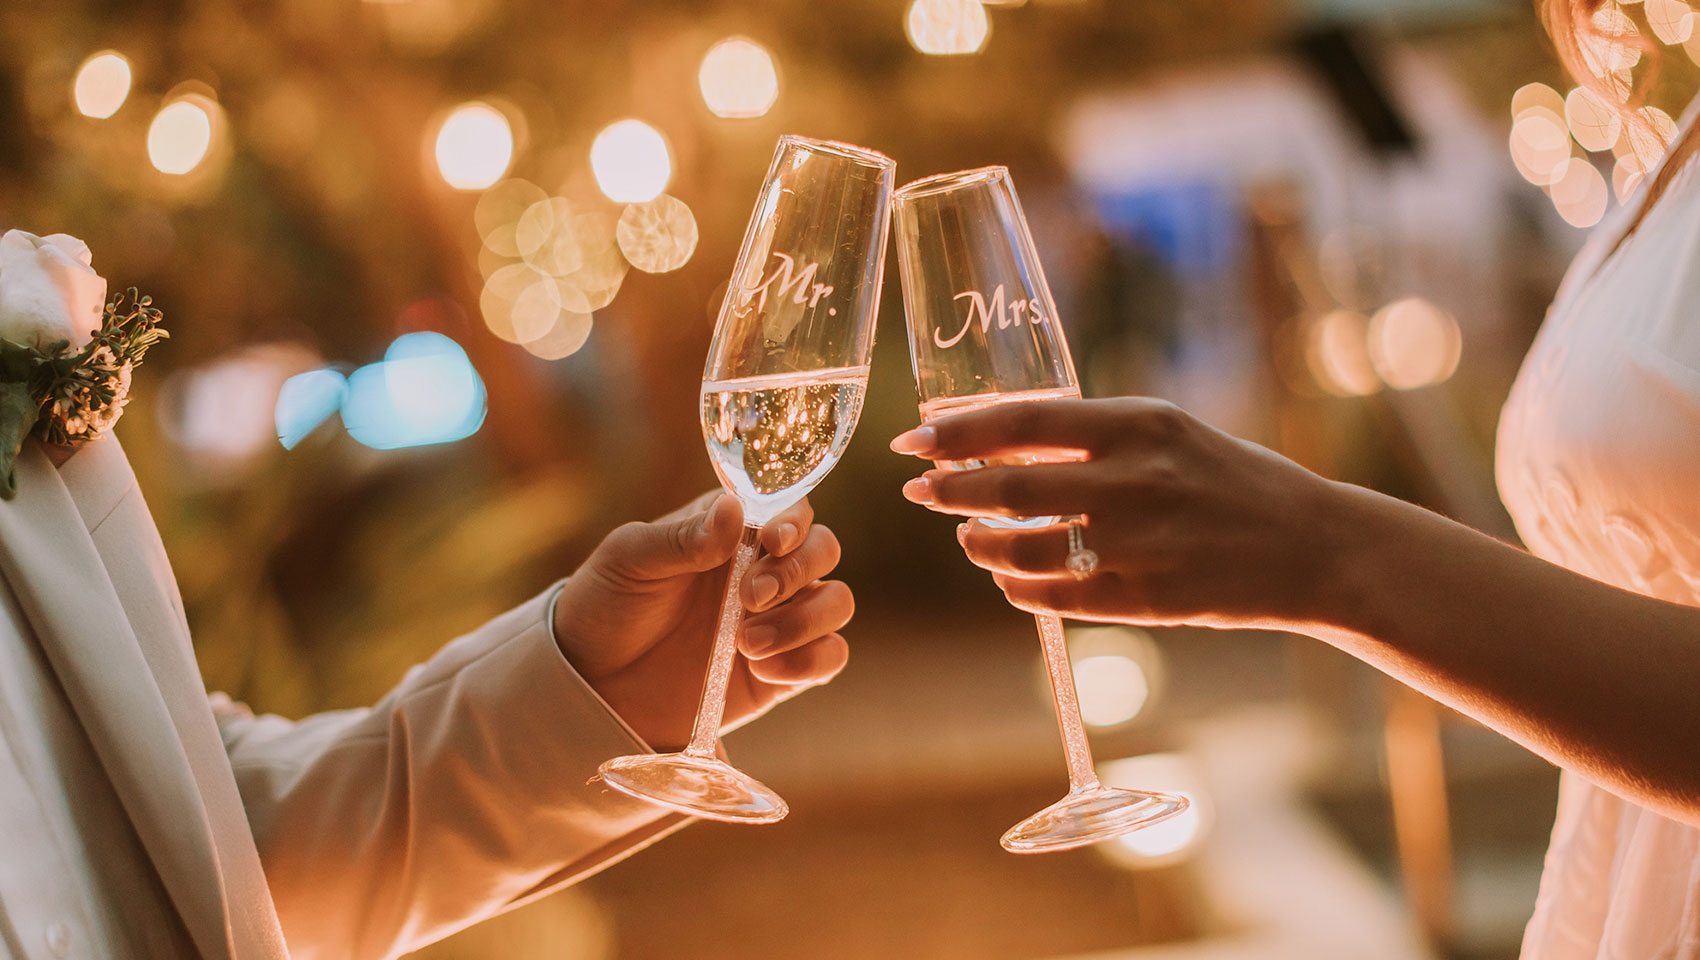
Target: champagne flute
<point x="983" y="331"/>
<point x="781" y="393"/>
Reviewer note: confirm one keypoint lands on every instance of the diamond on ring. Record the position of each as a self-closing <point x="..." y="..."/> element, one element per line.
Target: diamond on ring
<point x="1081" y="562"/>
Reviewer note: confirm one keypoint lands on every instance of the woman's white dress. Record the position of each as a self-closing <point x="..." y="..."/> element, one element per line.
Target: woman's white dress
<point x="1598" y="461"/>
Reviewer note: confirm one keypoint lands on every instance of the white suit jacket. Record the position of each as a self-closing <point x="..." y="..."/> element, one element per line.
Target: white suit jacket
<point x="352" y="835"/>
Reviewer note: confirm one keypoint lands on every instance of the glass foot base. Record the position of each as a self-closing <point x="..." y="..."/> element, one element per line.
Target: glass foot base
<point x="699" y="786"/>
<point x="1092" y="816"/>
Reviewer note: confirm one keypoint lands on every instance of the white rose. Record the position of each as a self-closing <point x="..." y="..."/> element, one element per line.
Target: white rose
<point x="48" y="290"/>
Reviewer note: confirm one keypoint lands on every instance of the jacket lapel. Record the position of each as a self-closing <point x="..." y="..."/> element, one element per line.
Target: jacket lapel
<point x="50" y="561"/>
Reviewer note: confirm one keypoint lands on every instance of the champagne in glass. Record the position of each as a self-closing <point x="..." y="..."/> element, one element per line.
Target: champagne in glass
<point x="781" y="393"/>
<point x="983" y="331"/>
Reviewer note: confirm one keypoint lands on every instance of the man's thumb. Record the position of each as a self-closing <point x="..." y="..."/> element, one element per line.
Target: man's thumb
<point x="689" y="544"/>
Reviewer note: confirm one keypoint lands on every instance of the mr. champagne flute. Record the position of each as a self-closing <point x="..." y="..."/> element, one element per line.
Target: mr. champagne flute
<point x="983" y="331"/>
<point x="781" y="394"/>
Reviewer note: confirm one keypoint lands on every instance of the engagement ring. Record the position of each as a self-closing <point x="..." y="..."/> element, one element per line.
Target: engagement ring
<point x="1081" y="561"/>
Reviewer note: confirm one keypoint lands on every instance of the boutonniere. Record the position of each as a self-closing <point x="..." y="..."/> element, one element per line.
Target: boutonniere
<point x="66" y="351"/>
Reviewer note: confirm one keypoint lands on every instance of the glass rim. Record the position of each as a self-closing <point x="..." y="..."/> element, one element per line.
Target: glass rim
<point x="955" y="180"/>
<point x="839" y="148"/>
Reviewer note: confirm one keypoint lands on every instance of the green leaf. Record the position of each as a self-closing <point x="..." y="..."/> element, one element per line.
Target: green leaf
<point x="17" y="415"/>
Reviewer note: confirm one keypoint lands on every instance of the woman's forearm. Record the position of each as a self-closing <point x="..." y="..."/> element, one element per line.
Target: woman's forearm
<point x="1592" y="677"/>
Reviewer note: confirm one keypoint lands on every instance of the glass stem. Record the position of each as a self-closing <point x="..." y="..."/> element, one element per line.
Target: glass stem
<point x="705" y="735"/>
<point x="1081" y="776"/>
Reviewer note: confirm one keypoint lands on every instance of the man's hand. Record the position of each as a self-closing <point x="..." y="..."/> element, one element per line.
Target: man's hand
<point x="638" y="618"/>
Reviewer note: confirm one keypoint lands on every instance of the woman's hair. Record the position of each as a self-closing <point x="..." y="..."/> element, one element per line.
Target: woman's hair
<point x="1587" y="46"/>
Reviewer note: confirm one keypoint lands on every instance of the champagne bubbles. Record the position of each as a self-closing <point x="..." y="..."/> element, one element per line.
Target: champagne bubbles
<point x="181" y="135"/>
<point x="474" y="146"/>
<point x="947" y="27"/>
<point x="657" y="236"/>
<point x="738" y="79"/>
<point x="631" y="161"/>
<point x="102" y="84"/>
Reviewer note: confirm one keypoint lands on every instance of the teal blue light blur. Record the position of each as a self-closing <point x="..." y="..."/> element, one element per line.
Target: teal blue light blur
<point x="307" y="400"/>
<point x="424" y="391"/>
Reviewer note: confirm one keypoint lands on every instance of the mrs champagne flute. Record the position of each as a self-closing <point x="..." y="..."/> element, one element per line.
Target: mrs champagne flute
<point x="781" y="393"/>
<point x="983" y="331"/>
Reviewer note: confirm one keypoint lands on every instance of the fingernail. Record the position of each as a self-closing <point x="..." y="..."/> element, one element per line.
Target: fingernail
<point x="758" y="639"/>
<point x="788" y="537"/>
<point x="919" y="490"/>
<point x="962" y="534"/>
<point x="918" y="440"/>
<point x="763" y="589"/>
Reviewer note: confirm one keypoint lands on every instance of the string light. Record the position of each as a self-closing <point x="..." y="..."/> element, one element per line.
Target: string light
<point x="474" y="147"/>
<point x="1414" y="343"/>
<point x="738" y="79"/>
<point x="102" y="84"/>
<point x="657" y="236"/>
<point x="947" y="27"/>
<point x="181" y="135"/>
<point x="631" y="161"/>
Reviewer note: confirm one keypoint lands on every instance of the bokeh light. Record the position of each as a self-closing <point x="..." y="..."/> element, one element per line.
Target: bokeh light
<point x="631" y="161"/>
<point x="1531" y="95"/>
<point x="1579" y="192"/>
<point x="1539" y="143"/>
<point x="738" y="79"/>
<point x="181" y="135"/>
<point x="498" y="212"/>
<point x="1115" y="672"/>
<point x="305" y="401"/>
<point x="947" y="27"/>
<point x="424" y="391"/>
<point x="569" y="333"/>
<point x="1175" y="839"/>
<point x="1414" y="343"/>
<point x="1626" y="175"/>
<point x="1594" y="123"/>
<point x="102" y="84"/>
<point x="474" y="146"/>
<point x="1337" y="354"/>
<point x="1672" y="21"/>
<point x="657" y="236"/>
<point x="1613" y="43"/>
<point x="1649" y="138"/>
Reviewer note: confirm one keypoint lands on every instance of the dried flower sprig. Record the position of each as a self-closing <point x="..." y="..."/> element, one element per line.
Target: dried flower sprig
<point x="66" y="396"/>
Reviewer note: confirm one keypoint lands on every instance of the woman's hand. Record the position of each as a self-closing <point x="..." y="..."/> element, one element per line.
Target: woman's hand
<point x="1190" y="525"/>
<point x="638" y="618"/>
